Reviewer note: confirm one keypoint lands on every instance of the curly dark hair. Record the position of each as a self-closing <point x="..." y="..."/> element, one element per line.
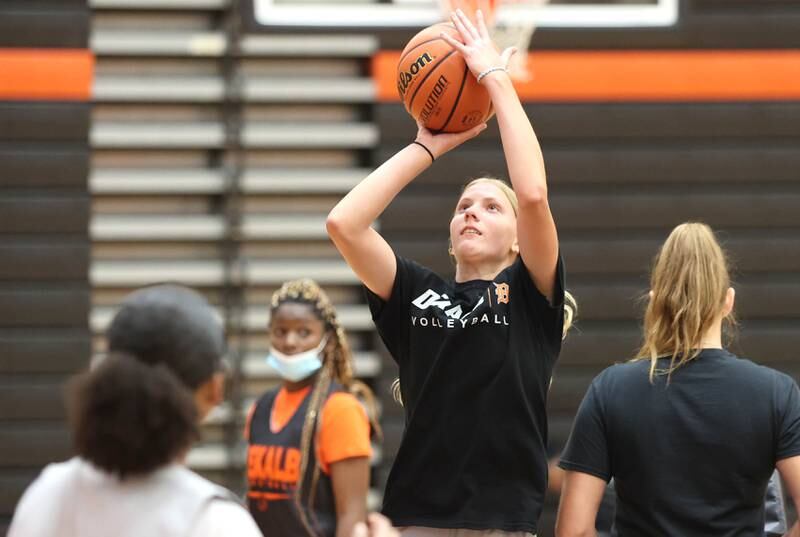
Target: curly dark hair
<point x="135" y="412"/>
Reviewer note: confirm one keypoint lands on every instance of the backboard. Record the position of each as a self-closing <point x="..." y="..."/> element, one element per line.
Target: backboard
<point x="365" y="14"/>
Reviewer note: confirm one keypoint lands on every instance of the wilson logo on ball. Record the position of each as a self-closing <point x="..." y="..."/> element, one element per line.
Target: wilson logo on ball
<point x="405" y="78"/>
<point x="433" y="98"/>
<point x="436" y="86"/>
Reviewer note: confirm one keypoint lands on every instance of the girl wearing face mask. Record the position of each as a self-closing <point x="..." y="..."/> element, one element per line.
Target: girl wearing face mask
<point x="476" y="353"/>
<point x="309" y="440"/>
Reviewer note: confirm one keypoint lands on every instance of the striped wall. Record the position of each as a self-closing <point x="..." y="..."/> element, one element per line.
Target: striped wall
<point x="45" y="76"/>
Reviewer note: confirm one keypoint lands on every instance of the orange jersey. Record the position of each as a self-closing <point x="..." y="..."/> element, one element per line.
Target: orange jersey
<point x="273" y="431"/>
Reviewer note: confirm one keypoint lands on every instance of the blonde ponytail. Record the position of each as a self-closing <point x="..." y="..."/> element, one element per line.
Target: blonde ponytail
<point x="688" y="289"/>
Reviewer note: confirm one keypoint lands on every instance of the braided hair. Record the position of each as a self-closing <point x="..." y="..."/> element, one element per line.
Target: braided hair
<point x="337" y="365"/>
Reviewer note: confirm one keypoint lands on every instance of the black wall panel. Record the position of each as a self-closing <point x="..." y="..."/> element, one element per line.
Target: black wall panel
<point x="44" y="247"/>
<point x="44" y="24"/>
<point x="44" y="165"/>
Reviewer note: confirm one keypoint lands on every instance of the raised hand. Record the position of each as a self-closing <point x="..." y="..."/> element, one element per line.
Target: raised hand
<point x="439" y="144"/>
<point x="476" y="46"/>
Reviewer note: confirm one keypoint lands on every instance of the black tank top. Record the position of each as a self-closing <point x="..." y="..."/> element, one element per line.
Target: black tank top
<point x="273" y="468"/>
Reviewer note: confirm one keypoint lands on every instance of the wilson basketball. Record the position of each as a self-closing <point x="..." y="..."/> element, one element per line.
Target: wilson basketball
<point x="436" y="85"/>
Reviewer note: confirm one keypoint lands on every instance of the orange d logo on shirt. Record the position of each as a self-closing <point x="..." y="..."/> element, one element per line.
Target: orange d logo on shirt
<point x="502" y="291"/>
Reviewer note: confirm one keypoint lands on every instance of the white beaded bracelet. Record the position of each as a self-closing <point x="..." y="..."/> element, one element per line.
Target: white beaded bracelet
<point x="490" y="70"/>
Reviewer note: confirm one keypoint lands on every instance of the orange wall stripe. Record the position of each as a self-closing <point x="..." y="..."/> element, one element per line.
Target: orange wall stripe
<point x="46" y="74"/>
<point x="762" y="75"/>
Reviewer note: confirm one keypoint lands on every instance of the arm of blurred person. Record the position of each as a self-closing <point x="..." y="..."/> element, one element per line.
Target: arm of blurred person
<point x="350" y="479"/>
<point x="775" y="523"/>
<point x="376" y="526"/>
<point x="580" y="500"/>
<point x="555" y="477"/>
<point x="790" y="472"/>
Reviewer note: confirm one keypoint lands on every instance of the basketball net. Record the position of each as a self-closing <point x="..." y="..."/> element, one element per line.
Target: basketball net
<point x="507" y="33"/>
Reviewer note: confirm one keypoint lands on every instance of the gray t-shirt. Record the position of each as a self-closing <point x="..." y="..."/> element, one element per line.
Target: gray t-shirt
<point x="75" y="499"/>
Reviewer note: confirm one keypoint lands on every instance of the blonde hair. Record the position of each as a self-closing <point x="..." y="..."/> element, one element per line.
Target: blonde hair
<point x="338" y="366"/>
<point x="689" y="285"/>
<point x="504" y="187"/>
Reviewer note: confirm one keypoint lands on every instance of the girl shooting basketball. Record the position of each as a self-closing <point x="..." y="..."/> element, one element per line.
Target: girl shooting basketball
<point x="309" y="440"/>
<point x="689" y="432"/>
<point x="476" y="354"/>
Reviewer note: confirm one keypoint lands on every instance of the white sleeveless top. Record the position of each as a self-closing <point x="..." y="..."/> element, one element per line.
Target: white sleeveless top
<point x="75" y="499"/>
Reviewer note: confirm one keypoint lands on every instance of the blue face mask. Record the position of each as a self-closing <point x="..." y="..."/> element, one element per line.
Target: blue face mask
<point x="296" y="367"/>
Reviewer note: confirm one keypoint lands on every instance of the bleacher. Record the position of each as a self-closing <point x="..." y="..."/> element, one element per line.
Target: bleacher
<point x="215" y="158"/>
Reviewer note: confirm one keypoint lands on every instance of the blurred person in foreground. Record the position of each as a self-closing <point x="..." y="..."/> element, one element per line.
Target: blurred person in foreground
<point x="134" y="418"/>
<point x="689" y="432"/>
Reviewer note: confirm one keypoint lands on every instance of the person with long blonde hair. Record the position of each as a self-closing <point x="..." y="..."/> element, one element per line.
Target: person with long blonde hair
<point x="309" y="440"/>
<point x="476" y="353"/>
<point x="689" y="432"/>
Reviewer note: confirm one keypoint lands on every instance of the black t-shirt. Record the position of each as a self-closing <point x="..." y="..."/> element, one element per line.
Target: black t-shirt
<point x="475" y="363"/>
<point x="691" y="457"/>
<point x="774" y="510"/>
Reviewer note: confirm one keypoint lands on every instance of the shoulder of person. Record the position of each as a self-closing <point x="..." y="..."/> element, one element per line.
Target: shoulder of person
<point x="64" y="469"/>
<point x="755" y="372"/>
<point x="48" y="489"/>
<point x="785" y="379"/>
<point x="342" y="403"/>
<point x="55" y="476"/>
<point x="54" y="485"/>
<point x="222" y="518"/>
<point x="621" y="371"/>
<point x="412" y="269"/>
<point x="194" y="483"/>
<point x="410" y="277"/>
<point x="783" y="382"/>
<point x="517" y="272"/>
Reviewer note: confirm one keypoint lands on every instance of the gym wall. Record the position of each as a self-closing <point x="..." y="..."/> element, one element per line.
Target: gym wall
<point x="45" y="78"/>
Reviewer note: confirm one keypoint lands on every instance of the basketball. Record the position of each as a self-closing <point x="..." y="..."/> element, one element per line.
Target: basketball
<point x="437" y="87"/>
